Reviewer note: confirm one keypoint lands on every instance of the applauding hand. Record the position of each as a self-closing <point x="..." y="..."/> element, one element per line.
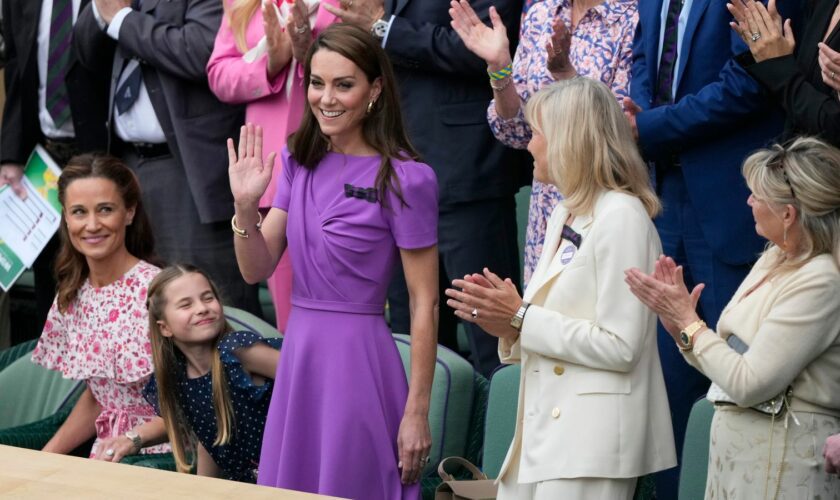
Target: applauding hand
<point x="279" y="42"/>
<point x="557" y="50"/>
<point x="297" y="26"/>
<point x="249" y="174"/>
<point x="487" y="42"/>
<point x="486" y="300"/>
<point x="762" y="29"/>
<point x="829" y="60"/>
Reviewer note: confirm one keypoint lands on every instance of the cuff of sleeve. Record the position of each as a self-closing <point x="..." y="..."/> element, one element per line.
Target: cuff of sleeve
<point x="509" y="350"/>
<point x="774" y="74"/>
<point x="703" y="340"/>
<point x="116" y="23"/>
<point x="387" y="31"/>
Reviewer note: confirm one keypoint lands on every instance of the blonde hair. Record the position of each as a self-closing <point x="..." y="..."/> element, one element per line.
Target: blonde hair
<point x="239" y="15"/>
<point x="805" y="174"/>
<point x="165" y="356"/>
<point x="590" y="144"/>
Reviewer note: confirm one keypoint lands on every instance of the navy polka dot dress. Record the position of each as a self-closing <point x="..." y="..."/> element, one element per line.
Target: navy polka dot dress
<point x="239" y="458"/>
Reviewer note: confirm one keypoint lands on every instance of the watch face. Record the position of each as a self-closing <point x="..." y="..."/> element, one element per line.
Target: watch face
<point x="684" y="338"/>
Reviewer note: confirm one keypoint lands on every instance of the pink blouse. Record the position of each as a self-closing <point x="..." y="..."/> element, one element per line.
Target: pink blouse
<point x="235" y="81"/>
<point x="103" y="339"/>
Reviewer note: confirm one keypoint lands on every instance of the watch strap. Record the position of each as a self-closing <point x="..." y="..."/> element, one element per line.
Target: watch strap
<point x="690" y="332"/>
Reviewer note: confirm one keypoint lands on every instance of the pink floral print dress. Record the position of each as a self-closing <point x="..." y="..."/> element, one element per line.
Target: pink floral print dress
<point x="103" y="339"/>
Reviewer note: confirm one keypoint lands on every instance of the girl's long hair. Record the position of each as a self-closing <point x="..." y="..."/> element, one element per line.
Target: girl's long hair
<point x="168" y="361"/>
<point x="382" y="128"/>
<point x="71" y="268"/>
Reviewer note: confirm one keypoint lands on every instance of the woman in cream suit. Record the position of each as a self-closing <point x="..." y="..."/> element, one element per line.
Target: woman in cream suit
<point x="593" y="414"/>
<point x="778" y="336"/>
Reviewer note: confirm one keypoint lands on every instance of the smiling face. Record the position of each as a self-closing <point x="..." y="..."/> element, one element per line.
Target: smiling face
<point x="193" y="314"/>
<point x="339" y="94"/>
<point x="96" y="218"/>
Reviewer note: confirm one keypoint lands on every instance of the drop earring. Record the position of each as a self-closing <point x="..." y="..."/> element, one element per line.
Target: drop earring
<point x="370" y="107"/>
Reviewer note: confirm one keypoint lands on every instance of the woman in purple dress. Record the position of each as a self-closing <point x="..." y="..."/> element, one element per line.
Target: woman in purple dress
<point x="352" y="199"/>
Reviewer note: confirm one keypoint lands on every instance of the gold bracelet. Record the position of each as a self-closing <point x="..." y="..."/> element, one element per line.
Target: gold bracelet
<point x="242" y="233"/>
<point x="503" y="86"/>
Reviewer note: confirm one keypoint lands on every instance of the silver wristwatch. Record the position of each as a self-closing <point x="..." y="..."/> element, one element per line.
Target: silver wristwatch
<point x="135" y="439"/>
<point x="519" y="317"/>
<point x="379" y="29"/>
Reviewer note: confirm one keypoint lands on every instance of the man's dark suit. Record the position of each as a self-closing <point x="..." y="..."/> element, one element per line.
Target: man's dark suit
<point x="445" y="92"/>
<point x="21" y="129"/>
<point x="172" y="40"/>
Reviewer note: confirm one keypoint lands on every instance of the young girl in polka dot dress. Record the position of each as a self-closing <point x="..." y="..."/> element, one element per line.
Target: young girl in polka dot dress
<point x="211" y="385"/>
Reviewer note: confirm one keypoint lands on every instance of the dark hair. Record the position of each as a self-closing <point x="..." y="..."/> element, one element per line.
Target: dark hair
<point x="382" y="128"/>
<point x="71" y="269"/>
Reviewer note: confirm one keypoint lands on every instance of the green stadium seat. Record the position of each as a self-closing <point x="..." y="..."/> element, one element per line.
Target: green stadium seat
<point x="695" y="455"/>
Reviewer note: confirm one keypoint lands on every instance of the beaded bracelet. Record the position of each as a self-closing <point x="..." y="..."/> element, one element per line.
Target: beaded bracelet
<point x="502" y="73"/>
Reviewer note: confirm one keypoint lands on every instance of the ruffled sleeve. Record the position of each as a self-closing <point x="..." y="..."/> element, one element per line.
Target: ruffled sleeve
<point x="413" y="224"/>
<point x="284" y="183"/>
<point x="150" y="393"/>
<point x="238" y="378"/>
<point x="103" y="333"/>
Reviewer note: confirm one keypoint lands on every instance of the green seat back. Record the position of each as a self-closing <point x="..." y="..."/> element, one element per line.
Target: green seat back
<point x="695" y="455"/>
<point x="243" y="320"/>
<point x="30" y="392"/>
<point x="452" y="400"/>
<point x="10" y="354"/>
<point x="500" y="420"/>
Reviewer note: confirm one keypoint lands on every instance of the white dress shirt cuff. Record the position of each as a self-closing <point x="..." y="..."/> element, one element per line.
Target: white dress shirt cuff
<point x="116" y="22"/>
<point x="387" y="31"/>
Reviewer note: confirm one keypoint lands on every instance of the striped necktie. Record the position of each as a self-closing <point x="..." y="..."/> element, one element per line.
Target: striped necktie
<point x="667" y="62"/>
<point x="61" y="34"/>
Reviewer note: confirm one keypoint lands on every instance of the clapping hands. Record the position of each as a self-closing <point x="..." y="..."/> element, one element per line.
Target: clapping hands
<point x="486" y="300"/>
<point x="487" y="42"/>
<point x="762" y="28"/>
<point x="557" y="51"/>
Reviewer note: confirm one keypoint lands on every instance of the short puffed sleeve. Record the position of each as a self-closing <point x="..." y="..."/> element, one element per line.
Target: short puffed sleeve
<point x="413" y="223"/>
<point x="284" y="184"/>
<point x="238" y="378"/>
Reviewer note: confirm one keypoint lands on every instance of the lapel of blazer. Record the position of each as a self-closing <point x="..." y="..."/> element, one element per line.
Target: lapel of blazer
<point x="31" y="10"/>
<point x="399" y="5"/>
<point x="148" y="5"/>
<point x="698" y="7"/>
<point x="649" y="14"/>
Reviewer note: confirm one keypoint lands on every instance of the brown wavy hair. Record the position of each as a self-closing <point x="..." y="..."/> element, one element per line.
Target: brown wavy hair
<point x="382" y="128"/>
<point x="71" y="268"/>
<point x="165" y="355"/>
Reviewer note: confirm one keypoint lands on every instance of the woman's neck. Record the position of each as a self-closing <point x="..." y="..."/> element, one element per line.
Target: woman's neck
<point x="352" y="144"/>
<point x="103" y="272"/>
<point x="199" y="358"/>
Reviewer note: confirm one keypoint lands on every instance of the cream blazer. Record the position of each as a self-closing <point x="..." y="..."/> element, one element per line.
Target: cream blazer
<point x="592" y="399"/>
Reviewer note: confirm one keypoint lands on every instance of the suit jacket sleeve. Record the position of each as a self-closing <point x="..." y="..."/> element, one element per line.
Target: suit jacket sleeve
<point x="437" y="48"/>
<point x="94" y="48"/>
<point x="694" y="118"/>
<point x="622" y="327"/>
<point x="812" y="110"/>
<point x="641" y="88"/>
<point x="11" y="131"/>
<point x="232" y="79"/>
<point x="795" y="332"/>
<point x="181" y="50"/>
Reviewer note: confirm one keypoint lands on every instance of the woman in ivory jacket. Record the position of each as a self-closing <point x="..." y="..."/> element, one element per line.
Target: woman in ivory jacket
<point x="593" y="414"/>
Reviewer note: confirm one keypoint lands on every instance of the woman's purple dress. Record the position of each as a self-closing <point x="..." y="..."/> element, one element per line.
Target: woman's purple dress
<point x="340" y="388"/>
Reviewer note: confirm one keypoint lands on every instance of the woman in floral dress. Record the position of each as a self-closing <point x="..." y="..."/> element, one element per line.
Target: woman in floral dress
<point x="97" y="328"/>
<point x="560" y="39"/>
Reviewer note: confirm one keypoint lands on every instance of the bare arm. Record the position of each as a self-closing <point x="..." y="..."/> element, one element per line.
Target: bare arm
<point x="206" y="465"/>
<point x="79" y="426"/>
<point x="414" y="440"/>
<point x="260" y="359"/>
<point x="258" y="253"/>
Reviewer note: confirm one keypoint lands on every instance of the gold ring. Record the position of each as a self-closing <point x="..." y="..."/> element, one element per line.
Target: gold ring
<point x="833" y="74"/>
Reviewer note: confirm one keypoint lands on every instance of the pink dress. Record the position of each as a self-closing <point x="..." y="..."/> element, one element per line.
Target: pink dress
<point x="103" y="339"/>
<point x="268" y="105"/>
